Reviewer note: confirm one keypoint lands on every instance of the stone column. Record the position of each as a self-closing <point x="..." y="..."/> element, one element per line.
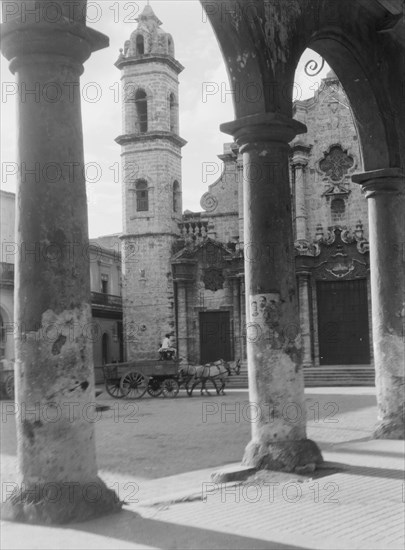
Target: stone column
<point x="385" y="191"/>
<point x="276" y="383"/>
<point x="240" y="199"/>
<point x="55" y="394"/>
<point x="299" y="164"/>
<point x="236" y="316"/>
<point x="242" y="305"/>
<point x="305" y="317"/>
<point x="182" y="335"/>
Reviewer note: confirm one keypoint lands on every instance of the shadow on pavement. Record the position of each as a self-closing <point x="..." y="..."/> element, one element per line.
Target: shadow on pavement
<point x="131" y="527"/>
<point x="367" y="471"/>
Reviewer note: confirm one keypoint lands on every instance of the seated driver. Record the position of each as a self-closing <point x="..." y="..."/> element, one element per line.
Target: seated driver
<point x="167" y="351"/>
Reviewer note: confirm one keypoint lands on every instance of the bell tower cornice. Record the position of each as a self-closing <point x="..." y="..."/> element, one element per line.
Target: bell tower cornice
<point x="151" y="136"/>
<point x="167" y="59"/>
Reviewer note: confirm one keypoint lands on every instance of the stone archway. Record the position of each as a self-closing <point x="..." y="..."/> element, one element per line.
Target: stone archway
<point x="263" y="47"/>
<point x="376" y="107"/>
<point x="366" y="105"/>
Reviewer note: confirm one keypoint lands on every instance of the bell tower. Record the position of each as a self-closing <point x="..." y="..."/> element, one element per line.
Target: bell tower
<point x="151" y="186"/>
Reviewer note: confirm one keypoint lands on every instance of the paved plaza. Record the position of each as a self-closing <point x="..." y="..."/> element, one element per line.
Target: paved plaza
<point x="159" y="454"/>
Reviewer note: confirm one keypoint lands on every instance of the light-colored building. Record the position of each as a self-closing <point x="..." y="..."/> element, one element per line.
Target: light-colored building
<point x="184" y="273"/>
<point x="105" y="276"/>
<point x="7" y="256"/>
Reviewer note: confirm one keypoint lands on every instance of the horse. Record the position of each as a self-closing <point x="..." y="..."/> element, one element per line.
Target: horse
<point x="215" y="372"/>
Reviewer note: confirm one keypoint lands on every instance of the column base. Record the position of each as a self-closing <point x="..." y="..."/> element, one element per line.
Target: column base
<point x="299" y="456"/>
<point x="390" y="429"/>
<point x="60" y="503"/>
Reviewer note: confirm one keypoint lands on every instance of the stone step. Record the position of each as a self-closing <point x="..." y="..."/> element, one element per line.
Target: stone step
<point x="313" y="376"/>
<point x="320" y="376"/>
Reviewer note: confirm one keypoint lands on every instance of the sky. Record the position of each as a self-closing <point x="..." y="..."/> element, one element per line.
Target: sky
<point x="196" y="48"/>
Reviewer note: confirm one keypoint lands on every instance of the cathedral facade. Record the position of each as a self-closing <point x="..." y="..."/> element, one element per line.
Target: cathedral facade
<point x="183" y="272"/>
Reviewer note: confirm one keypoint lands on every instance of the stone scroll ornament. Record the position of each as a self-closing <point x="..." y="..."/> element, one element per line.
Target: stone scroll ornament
<point x="208" y="202"/>
<point x="313" y="68"/>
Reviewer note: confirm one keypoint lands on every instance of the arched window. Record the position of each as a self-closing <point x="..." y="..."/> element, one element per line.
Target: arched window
<point x="176" y="196"/>
<point x="140" y="45"/>
<point x="142" y="196"/>
<point x="337" y="208"/>
<point x="173" y="113"/>
<point x="141" y="104"/>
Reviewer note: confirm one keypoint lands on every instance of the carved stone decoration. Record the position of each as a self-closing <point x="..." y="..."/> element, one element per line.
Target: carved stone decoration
<point x="336" y="163"/>
<point x="305" y="248"/>
<point x="339" y="256"/>
<point x="213" y="279"/>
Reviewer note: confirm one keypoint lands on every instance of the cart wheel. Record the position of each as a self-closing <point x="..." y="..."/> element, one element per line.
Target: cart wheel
<point x="170" y="387"/>
<point x="113" y="389"/>
<point x="154" y="387"/>
<point x="9" y="386"/>
<point x="133" y="385"/>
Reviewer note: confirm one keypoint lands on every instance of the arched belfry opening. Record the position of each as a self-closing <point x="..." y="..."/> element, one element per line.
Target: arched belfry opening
<point x="170" y="45"/>
<point x="140" y="44"/>
<point x="142" y="195"/>
<point x="141" y="106"/>
<point x="176" y="197"/>
<point x="173" y="113"/>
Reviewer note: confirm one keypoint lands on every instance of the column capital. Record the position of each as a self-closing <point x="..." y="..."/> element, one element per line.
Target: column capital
<point x="24" y="42"/>
<point x="300" y="154"/>
<point x="263" y="127"/>
<point x="381" y="182"/>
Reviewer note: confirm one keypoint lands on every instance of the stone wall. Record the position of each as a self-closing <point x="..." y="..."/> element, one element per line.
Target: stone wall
<point x="158" y="162"/>
<point x="148" y="295"/>
<point x="329" y="120"/>
<point x="158" y="80"/>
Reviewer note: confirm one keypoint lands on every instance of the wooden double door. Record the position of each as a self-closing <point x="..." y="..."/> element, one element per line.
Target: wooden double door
<point x="215" y="336"/>
<point x="343" y="324"/>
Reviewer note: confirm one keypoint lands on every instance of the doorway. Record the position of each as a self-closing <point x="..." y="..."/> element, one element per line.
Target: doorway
<point x="215" y="336"/>
<point x="343" y="325"/>
<point x="105" y="348"/>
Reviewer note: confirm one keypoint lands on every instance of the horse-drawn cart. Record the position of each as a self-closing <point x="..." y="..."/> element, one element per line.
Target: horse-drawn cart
<point x="165" y="377"/>
<point x="133" y="379"/>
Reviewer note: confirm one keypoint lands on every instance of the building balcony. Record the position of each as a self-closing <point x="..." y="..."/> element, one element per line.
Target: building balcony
<point x="106" y="302"/>
<point x="194" y="231"/>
